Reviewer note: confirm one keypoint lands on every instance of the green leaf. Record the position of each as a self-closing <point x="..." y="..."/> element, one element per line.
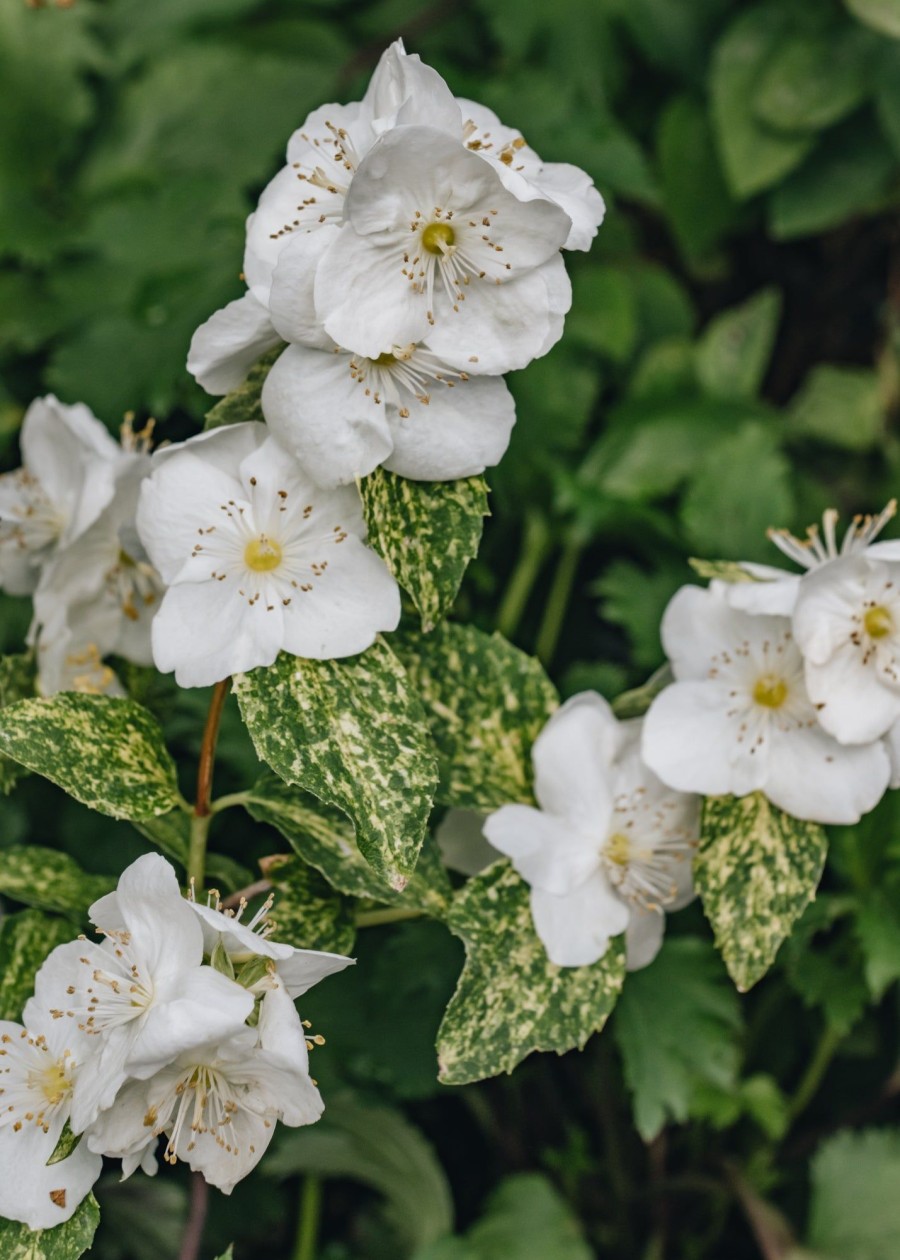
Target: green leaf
<point x="354" y="734"/>
<point x="308" y="913"/>
<point x="757" y="869"/>
<point x="754" y="155"/>
<point x="696" y="196"/>
<point x="805" y="87"/>
<point x="839" y="405"/>
<point x="16" y="683"/>
<point x="487" y="702"/>
<point x="67" y="1143"/>
<point x="65" y="1242"/>
<point x="25" y="941"/>
<point x="107" y="753"/>
<point x="243" y="404"/>
<point x="882" y="15"/>
<point x="735" y="347"/>
<point x="604" y="316"/>
<point x="635" y="599"/>
<point x="740" y="490"/>
<point x="878" y="929"/>
<point x="380" y="1148"/>
<point x="823" y="962"/>
<point x="676" y="1025"/>
<point x="855" y="1209"/>
<point x="229" y="1254"/>
<point x="525" y="1218"/>
<point x="427" y="532"/>
<point x="49" y="880"/>
<point x="511" y="999"/>
<point x="850" y="173"/>
<point x="721" y="570"/>
<point x="636" y="702"/>
<point x="325" y="838"/>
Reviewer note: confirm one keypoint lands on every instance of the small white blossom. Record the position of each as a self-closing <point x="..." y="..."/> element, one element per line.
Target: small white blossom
<point x="610" y="848"/>
<point x="69" y="466"/>
<point x="39" y="1064"/>
<point x="257" y="558"/>
<point x="738" y="718"/>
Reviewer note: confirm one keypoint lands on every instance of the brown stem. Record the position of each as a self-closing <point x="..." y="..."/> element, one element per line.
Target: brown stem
<point x="773" y="1234"/>
<point x="232" y="901"/>
<point x="208" y="748"/>
<point x="196" y="1222"/>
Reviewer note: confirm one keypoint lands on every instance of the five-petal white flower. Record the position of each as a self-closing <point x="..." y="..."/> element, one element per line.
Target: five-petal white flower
<point x="610" y="847"/>
<point x="257" y="559"/>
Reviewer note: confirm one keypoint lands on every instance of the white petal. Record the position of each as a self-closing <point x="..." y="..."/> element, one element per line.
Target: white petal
<point x="892" y="745"/>
<point x="164" y="930"/>
<point x="774" y="595"/>
<point x="643" y="937"/>
<point x="30" y="1192"/>
<point x="573" y="756"/>
<point x="206" y="631"/>
<point x="461" y="431"/>
<point x="196" y="1007"/>
<point x="292" y="300"/>
<point x="813" y="777"/>
<point x="854" y="704"/>
<point x="828" y="601"/>
<point x="404" y="90"/>
<point x="225" y="348"/>
<point x="576" y="929"/>
<point x="322" y="414"/>
<point x="698" y="625"/>
<point x="548" y="852"/>
<point x="171" y="513"/>
<point x="306" y="967"/>
<point x="573" y="191"/>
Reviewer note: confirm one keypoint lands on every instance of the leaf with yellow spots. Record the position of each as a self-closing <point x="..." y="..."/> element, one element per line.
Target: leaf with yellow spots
<point x="16" y="683"/>
<point x="25" y="941"/>
<point x="50" y="880"/>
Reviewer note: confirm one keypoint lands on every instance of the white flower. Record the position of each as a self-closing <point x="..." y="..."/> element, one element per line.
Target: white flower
<point x="218" y="1104"/>
<point x="610" y="847"/>
<point x="142" y="993"/>
<point x="97" y="596"/>
<point x="39" y="1064"/>
<point x="738" y="718"/>
<point x="257" y="559"/>
<point x="774" y="591"/>
<point x="69" y="463"/>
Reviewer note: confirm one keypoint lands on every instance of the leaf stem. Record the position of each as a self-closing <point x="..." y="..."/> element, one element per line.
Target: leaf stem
<point x="532" y="552"/>
<point x="558" y="600"/>
<point x="202" y="814"/>
<point x="196" y="1222"/>
<point x="308" y="1221"/>
<point x="815" y="1071"/>
<point x="228" y="802"/>
<point x="394" y="914"/>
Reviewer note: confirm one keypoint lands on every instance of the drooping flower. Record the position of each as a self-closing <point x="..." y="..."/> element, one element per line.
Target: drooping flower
<point x="144" y="993"/>
<point x="610" y="848"/>
<point x="738" y="718"/>
<point x="39" y="1064"/>
<point x="218" y="1104"/>
<point x="69" y="466"/>
<point x="257" y="559"/>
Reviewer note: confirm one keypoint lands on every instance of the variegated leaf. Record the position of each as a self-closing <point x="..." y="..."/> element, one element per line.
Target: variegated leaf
<point x="487" y="703"/>
<point x="511" y="999"/>
<point x="354" y="733"/>
<point x="107" y="753"/>
<point x="25" y="941"/>
<point x="16" y="683"/>
<point x="427" y="532"/>
<point x="49" y="880"/>
<point x="325" y="839"/>
<point x="243" y="403"/>
<point x="308" y="913"/>
<point x="756" y="870"/>
<point x="65" y="1242"/>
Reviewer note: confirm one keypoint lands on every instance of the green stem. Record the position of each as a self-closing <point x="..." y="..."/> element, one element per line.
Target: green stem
<point x="375" y="918"/>
<point x="558" y="600"/>
<point x="532" y="553"/>
<point x="196" y="866"/>
<point x="812" y="1077"/>
<point x="308" y="1221"/>
<point x="227" y="802"/>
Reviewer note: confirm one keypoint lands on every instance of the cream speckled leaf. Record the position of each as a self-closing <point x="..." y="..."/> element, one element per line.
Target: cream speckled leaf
<point x="756" y="870"/>
<point x="17" y="676"/>
<point x="427" y="532"/>
<point x="107" y="753"/>
<point x="324" y="837"/>
<point x="354" y="733"/>
<point x="243" y="403"/>
<point x="65" y="1242"/>
<point x="25" y="941"/>
<point x="721" y="570"/>
<point x="511" y="999"/>
<point x="487" y="703"/>
<point x="49" y="880"/>
<point x="308" y="913"/>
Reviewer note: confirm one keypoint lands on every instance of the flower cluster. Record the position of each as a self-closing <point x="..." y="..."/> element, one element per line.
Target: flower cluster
<point x="68" y="537"/>
<point x="785" y="683"/>
<point x="409" y="253"/>
<point x="180" y="1023"/>
<point x="611" y="847"/>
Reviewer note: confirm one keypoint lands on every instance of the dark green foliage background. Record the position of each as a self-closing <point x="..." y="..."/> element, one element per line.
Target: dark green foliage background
<point x="732" y="361"/>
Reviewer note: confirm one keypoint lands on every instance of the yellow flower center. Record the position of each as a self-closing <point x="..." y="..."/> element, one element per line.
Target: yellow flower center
<point x="53" y="1083"/>
<point x="770" y="691"/>
<point x="438" y="237"/>
<point x="878" y="622"/>
<point x="387" y="359"/>
<point x="262" y="554"/>
<point x="618" y="849"/>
